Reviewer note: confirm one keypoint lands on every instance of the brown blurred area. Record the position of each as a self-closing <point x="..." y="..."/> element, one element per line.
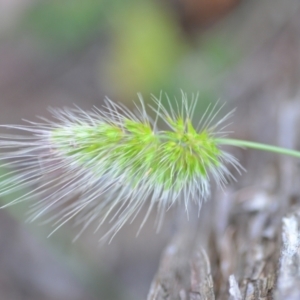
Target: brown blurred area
<point x="202" y="13"/>
<point x="56" y="53"/>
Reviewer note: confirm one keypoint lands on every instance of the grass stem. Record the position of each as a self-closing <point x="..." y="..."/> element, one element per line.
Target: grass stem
<point x="258" y="146"/>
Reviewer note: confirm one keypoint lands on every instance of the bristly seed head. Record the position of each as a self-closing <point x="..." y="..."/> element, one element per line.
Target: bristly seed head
<point x="107" y="164"/>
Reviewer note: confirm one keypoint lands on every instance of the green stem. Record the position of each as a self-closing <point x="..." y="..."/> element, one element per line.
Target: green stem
<point x="258" y="146"/>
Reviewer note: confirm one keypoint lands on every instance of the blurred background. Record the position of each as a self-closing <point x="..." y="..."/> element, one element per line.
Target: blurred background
<point x="59" y="53"/>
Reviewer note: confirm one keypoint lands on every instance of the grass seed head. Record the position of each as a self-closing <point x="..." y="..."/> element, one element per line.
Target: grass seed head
<point x="107" y="164"/>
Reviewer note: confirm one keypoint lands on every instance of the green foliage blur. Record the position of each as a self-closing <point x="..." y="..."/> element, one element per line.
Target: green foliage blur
<point x="146" y="49"/>
<point x="69" y="24"/>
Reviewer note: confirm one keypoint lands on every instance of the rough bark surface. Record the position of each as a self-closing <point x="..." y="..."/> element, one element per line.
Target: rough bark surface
<point x="257" y="257"/>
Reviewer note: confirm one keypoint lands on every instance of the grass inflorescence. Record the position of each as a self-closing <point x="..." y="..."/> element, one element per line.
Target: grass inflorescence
<point x="106" y="165"/>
